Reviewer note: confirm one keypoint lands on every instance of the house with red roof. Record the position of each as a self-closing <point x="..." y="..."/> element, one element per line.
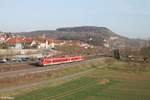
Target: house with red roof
<point x="18" y="42"/>
<point x="3" y="38"/>
<point x="35" y="42"/>
<point x="45" y="43"/>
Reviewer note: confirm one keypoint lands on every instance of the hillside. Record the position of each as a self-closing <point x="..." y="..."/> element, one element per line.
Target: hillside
<point x="85" y="33"/>
<point x="90" y="34"/>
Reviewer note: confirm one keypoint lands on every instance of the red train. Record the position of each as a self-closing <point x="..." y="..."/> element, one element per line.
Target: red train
<point x="60" y="60"/>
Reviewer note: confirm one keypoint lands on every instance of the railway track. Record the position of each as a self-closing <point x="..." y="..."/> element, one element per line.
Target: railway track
<point x="15" y="66"/>
<point x="30" y="65"/>
<point x="42" y="69"/>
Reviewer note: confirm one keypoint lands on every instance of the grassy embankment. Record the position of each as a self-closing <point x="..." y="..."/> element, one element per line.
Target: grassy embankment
<point x="45" y="77"/>
<point x="116" y="81"/>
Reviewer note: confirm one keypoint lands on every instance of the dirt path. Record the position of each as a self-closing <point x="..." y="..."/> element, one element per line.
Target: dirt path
<point x="26" y="86"/>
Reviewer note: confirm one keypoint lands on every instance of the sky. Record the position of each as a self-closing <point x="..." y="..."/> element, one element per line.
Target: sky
<point x="129" y="18"/>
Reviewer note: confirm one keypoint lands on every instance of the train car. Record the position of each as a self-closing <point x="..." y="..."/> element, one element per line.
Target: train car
<point x="60" y="60"/>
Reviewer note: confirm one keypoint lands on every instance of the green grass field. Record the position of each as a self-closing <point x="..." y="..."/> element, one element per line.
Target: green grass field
<point x="120" y="85"/>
